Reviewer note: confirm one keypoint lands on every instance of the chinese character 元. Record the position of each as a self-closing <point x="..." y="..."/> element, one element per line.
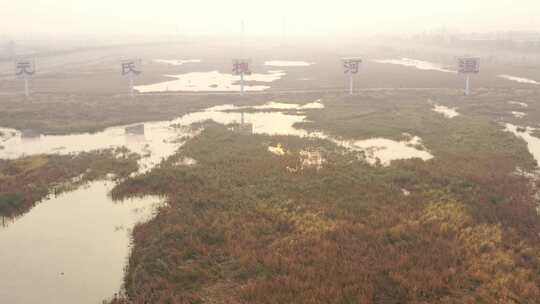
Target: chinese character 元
<point x="25" y="68"/>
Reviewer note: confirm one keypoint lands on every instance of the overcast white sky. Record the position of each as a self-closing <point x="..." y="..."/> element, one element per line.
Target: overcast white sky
<point x="51" y="17"/>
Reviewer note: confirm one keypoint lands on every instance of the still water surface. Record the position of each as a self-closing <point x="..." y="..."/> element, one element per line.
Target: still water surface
<point x="418" y="64"/>
<point x="211" y="82"/>
<point x="71" y="248"/>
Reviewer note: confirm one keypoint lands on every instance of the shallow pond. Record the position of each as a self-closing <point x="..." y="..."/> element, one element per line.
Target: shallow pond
<point x="384" y="151"/>
<point x="271" y="123"/>
<point x="418" y="64"/>
<point x="210" y="82"/>
<point x="155" y="141"/>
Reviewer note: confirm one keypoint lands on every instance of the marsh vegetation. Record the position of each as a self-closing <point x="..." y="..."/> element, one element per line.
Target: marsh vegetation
<point x="242" y="228"/>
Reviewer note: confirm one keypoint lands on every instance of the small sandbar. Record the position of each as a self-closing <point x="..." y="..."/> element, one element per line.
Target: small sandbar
<point x="383" y="151"/>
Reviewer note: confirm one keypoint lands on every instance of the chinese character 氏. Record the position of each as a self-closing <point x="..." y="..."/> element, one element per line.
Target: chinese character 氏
<point x="129" y="68"/>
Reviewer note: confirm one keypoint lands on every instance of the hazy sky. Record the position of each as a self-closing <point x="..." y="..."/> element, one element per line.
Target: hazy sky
<point x="301" y="16"/>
